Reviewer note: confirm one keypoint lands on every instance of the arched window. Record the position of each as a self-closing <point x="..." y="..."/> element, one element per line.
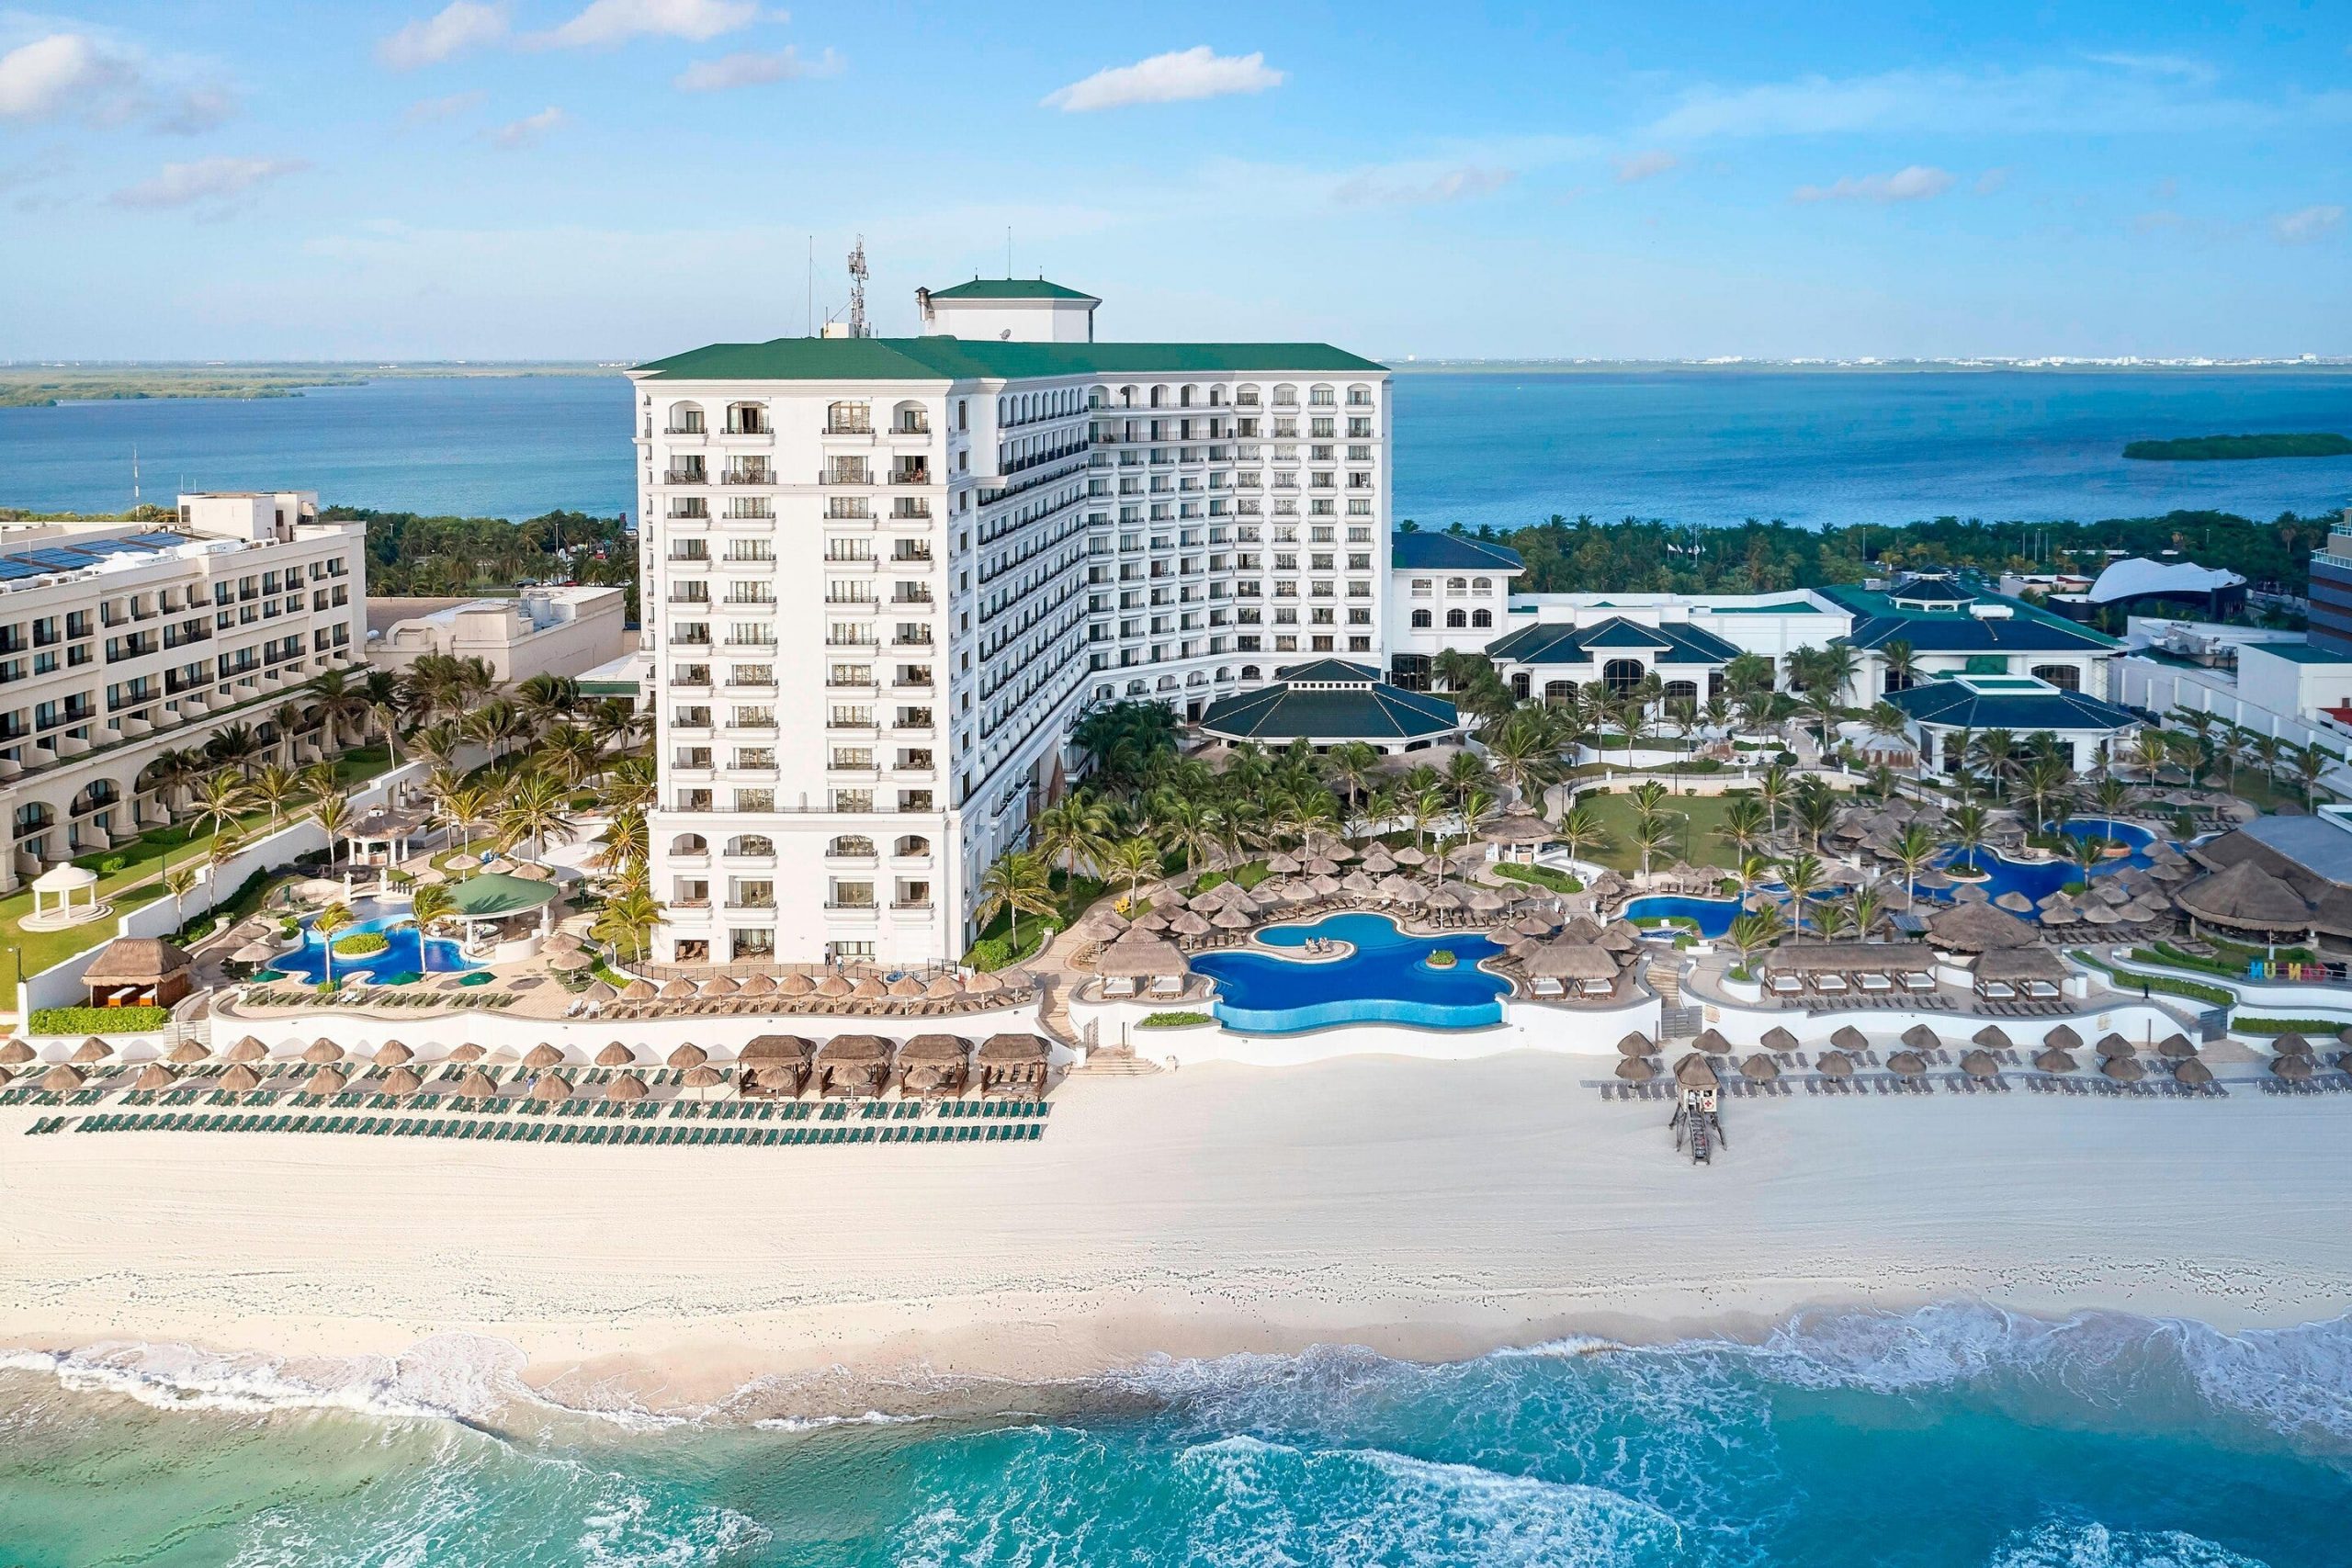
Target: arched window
<point x="689" y="844"/>
<point x="1681" y="691"/>
<point x="1621" y="676"/>
<point x="1559" y="690"/>
<point x="1455" y="620"/>
<point x="1482" y="617"/>
<point x="2066" y="677"/>
<point x="911" y="844"/>
<point x="851" y="844"/>
<point x="1456" y="584"/>
<point x="751" y="844"/>
<point x="1249" y="673"/>
<point x="685" y="419"/>
<point x="1481" y="584"/>
<point x="1420" y="620"/>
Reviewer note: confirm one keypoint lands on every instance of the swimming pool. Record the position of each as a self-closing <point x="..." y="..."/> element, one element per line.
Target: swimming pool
<point x="308" y="962"/>
<point x="2038" y="879"/>
<point x="1385" y="980"/>
<point x="1714" y="915"/>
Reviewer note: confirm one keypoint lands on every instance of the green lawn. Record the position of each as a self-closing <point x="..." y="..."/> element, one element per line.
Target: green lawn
<point x="138" y="881"/>
<point x="1696" y="837"/>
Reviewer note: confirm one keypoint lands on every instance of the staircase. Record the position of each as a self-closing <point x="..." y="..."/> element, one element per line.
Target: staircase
<point x="1675" y="1021"/>
<point x="1702" y="1148"/>
<point x="1052" y="1008"/>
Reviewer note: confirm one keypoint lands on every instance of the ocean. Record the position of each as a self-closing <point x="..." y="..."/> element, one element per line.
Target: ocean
<point x="1503" y="447"/>
<point x="1951" y="1436"/>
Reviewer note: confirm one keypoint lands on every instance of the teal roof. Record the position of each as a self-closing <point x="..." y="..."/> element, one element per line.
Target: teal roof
<point x="1010" y="288"/>
<point x="1327" y="670"/>
<point x="1676" y="642"/>
<point x="2017" y="703"/>
<point x="2026" y="629"/>
<point x="959" y="359"/>
<point x="1418" y="551"/>
<point x="494" y="892"/>
<point x="2296" y="652"/>
<point x="1280" y="714"/>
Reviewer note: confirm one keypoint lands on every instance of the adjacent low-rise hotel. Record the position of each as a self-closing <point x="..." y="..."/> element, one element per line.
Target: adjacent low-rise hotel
<point x="121" y="640"/>
<point x="883" y="577"/>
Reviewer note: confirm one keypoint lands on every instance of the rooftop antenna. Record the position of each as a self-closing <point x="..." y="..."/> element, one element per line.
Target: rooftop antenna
<point x="858" y="327"/>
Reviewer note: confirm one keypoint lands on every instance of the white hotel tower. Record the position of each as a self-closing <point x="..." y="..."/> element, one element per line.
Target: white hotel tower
<point x="885" y="575"/>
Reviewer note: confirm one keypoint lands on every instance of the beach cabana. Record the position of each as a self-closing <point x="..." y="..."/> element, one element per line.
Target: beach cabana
<point x="934" y="1065"/>
<point x="1141" y="965"/>
<point x="774" y="1065"/>
<point x="854" y="1067"/>
<point x="137" y="972"/>
<point x="1013" y="1065"/>
<point x="1978" y="928"/>
<point x="1553" y="968"/>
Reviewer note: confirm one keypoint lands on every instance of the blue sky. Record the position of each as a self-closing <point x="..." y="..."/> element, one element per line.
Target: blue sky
<point x="621" y="179"/>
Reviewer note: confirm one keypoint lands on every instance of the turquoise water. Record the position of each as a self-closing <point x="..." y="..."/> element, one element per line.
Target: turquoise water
<point x="309" y="961"/>
<point x="1955" y="1436"/>
<point x="1714" y="915"/>
<point x="1502" y="448"/>
<point x="1386" y="979"/>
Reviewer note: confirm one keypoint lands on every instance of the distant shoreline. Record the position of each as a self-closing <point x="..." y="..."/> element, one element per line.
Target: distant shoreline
<point x="54" y="387"/>
<point x="2239" y="448"/>
<point x="1813" y="368"/>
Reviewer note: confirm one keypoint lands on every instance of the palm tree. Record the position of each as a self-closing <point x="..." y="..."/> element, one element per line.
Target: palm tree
<point x="332" y="813"/>
<point x="2309" y="762"/>
<point x="2110" y="795"/>
<point x="428" y="903"/>
<point x="2149" y="750"/>
<point x="571" y="753"/>
<point x="1969" y="824"/>
<point x="1744" y="826"/>
<point x="1076" y="828"/>
<point x="1912" y="850"/>
<point x="276" y="786"/>
<point x="178" y="883"/>
<point x="1651" y="834"/>
<point x="1865" y="908"/>
<point x="336" y="917"/>
<point x="2086" y="849"/>
<point x="1423" y="807"/>
<point x="1185" y="825"/>
<point x="1348" y="767"/>
<point x="1525" y="755"/>
<point x="170" y="772"/>
<point x="381" y="691"/>
<point x="235" y="746"/>
<point x="1133" y="859"/>
<point x="495" y="726"/>
<point x="1464" y="771"/>
<point x="1902" y="663"/>
<point x="2042" y="780"/>
<point x="1803" y="877"/>
<point x="627" y="921"/>
<point x="538" y="810"/>
<point x="1753" y="933"/>
<point x="1772" y="788"/>
<point x="1457" y="670"/>
<point x="342" y="703"/>
<point x="548" y="700"/>
<point x="1815" y="809"/>
<point x="1581" y="830"/>
<point x="1996" y="751"/>
<point x="220" y="799"/>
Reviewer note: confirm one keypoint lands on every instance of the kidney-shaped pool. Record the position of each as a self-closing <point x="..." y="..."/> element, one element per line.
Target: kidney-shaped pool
<point x="1387" y="979"/>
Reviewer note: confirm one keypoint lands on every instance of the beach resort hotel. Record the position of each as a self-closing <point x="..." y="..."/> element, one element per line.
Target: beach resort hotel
<point x="883" y="576"/>
<point x="121" y="641"/>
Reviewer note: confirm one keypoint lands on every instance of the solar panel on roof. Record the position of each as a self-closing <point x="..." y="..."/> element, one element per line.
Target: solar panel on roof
<point x="116" y="547"/>
<point x="11" y="569"/>
<point x="162" y="541"/>
<point x="57" y="558"/>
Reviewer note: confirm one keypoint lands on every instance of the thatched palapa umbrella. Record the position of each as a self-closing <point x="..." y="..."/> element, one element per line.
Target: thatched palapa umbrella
<point x="1779" y="1039"/>
<point x="2192" y="1072"/>
<point x="1979" y="1063"/>
<point x="91" y="1051"/>
<point x="2294" y="1069"/>
<point x="1850" y="1039"/>
<point x="402" y="1080"/>
<point x="326" y="1081"/>
<point x="239" y="1078"/>
<point x="15" y="1053"/>
<point x="393" y="1053"/>
<point x="2291" y="1045"/>
<point x="469" y="1052"/>
<point x="1835" y="1064"/>
<point x="2054" y="1060"/>
<point x="759" y="986"/>
<point x="61" y="1080"/>
<point x="321" y="1051"/>
<point x="540" y="1057"/>
<point x="626" y="1088"/>
<point x="2114" y="1047"/>
<point x="2175" y="1048"/>
<point x="2123" y="1069"/>
<point x="1692" y="1072"/>
<point x="552" y="1087"/>
<point x="2062" y="1037"/>
<point x="1635" y="1069"/>
<point x="1759" y="1068"/>
<point x="477" y="1085"/>
<point x="186" y="1054"/>
<point x="688" y="1055"/>
<point x="1712" y="1043"/>
<point x="1637" y="1044"/>
<point x="1919" y="1037"/>
<point x="615" y="1054"/>
<point x="1906" y="1064"/>
<point x="154" y="1075"/>
<point x="640" y="990"/>
<point x="1993" y="1038"/>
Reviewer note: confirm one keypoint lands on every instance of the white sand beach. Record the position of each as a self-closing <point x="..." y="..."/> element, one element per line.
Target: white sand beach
<point x="1426" y="1209"/>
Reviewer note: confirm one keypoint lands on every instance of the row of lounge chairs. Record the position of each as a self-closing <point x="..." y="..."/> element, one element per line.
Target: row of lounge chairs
<point x="827" y="1007"/>
<point x="2034" y="1008"/>
<point x="489" y="1129"/>
<point x="380" y="997"/>
<point x="1163" y="988"/>
<point x="1846" y="987"/>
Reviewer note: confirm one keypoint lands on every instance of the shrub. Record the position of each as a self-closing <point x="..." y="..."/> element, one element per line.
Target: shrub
<point x="2211" y="996"/>
<point x="1538" y="875"/>
<point x="2322" y="1027"/>
<point x="360" y="945"/>
<point x="98" y="1020"/>
<point x="1172" y="1019"/>
<point x="1443" y="958"/>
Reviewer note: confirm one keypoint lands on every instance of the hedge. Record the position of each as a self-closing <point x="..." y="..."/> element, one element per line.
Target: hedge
<point x="1172" y="1019"/>
<point x="360" y="945"/>
<point x="99" y="1020"/>
<point x="1540" y="875"/>
<point x="2211" y="996"/>
<point x="2324" y="1027"/>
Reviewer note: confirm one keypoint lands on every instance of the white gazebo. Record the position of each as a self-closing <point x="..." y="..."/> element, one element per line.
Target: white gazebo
<point x="59" y="883"/>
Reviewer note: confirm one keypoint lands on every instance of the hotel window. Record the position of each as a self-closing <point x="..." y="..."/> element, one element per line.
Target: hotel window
<point x="1420" y="587"/>
<point x="1420" y="620"/>
<point x="1482" y="617"/>
<point x="1455" y="620"/>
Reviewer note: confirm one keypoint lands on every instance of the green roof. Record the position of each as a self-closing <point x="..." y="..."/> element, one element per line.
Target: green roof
<point x="2021" y="706"/>
<point x="1278" y="715"/>
<point x="1010" y="288"/>
<point x="959" y="359"/>
<point x="2296" y="652"/>
<point x="493" y="894"/>
<point x="1556" y="642"/>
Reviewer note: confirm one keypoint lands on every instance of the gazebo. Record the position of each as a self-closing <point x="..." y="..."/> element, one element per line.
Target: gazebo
<point x="494" y="896"/>
<point x="137" y="972"/>
<point x="382" y="838"/>
<point x="1141" y="957"/>
<point x="1013" y="1065"/>
<point x="59" y="883"/>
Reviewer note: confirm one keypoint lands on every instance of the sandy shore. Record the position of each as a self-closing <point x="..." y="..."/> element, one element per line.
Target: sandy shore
<point x="1425" y="1209"/>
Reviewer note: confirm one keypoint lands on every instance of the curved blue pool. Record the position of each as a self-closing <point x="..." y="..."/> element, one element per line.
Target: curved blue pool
<point x="308" y="962"/>
<point x="1385" y="980"/>
<point x="2038" y="879"/>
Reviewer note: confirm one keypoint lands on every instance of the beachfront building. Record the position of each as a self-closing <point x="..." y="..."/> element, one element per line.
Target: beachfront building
<point x="120" y="641"/>
<point x="2331" y="590"/>
<point x="566" y="630"/>
<point x="883" y="577"/>
<point x="1944" y="715"/>
<point x="1445" y="590"/>
<point x="2278" y="879"/>
<point x="1561" y="642"/>
<point x="1331" y="702"/>
<point x="1951" y="627"/>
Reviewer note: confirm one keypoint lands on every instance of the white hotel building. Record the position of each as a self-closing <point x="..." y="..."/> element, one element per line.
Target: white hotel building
<point x="885" y="576"/>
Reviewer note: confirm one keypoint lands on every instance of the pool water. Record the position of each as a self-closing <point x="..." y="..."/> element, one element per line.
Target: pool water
<point x="308" y="962"/>
<point x="1386" y="979"/>
<point x="2038" y="879"/>
<point x="1714" y="915"/>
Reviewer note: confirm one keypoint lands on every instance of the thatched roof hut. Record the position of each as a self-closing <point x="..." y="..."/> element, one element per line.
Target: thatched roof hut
<point x="145" y="970"/>
<point x="1692" y="1072"/>
<point x="1978" y="928"/>
<point x="1561" y="960"/>
<point x="789" y="1049"/>
<point x="2247" y="897"/>
<point x="843" y="1050"/>
<point x="2012" y="965"/>
<point x="1141" y="957"/>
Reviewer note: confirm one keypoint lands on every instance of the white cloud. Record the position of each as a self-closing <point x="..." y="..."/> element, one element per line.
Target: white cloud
<point x="2178" y="65"/>
<point x="1916" y="183"/>
<point x="100" y="82"/>
<point x="1396" y="190"/>
<point x="1646" y="165"/>
<point x="526" y="131"/>
<point x="207" y="181"/>
<point x="1179" y="77"/>
<point x="2307" y="225"/>
<point x="751" y="68"/>
<point x="432" y="111"/>
<point x="613" y="21"/>
<point x="448" y="33"/>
